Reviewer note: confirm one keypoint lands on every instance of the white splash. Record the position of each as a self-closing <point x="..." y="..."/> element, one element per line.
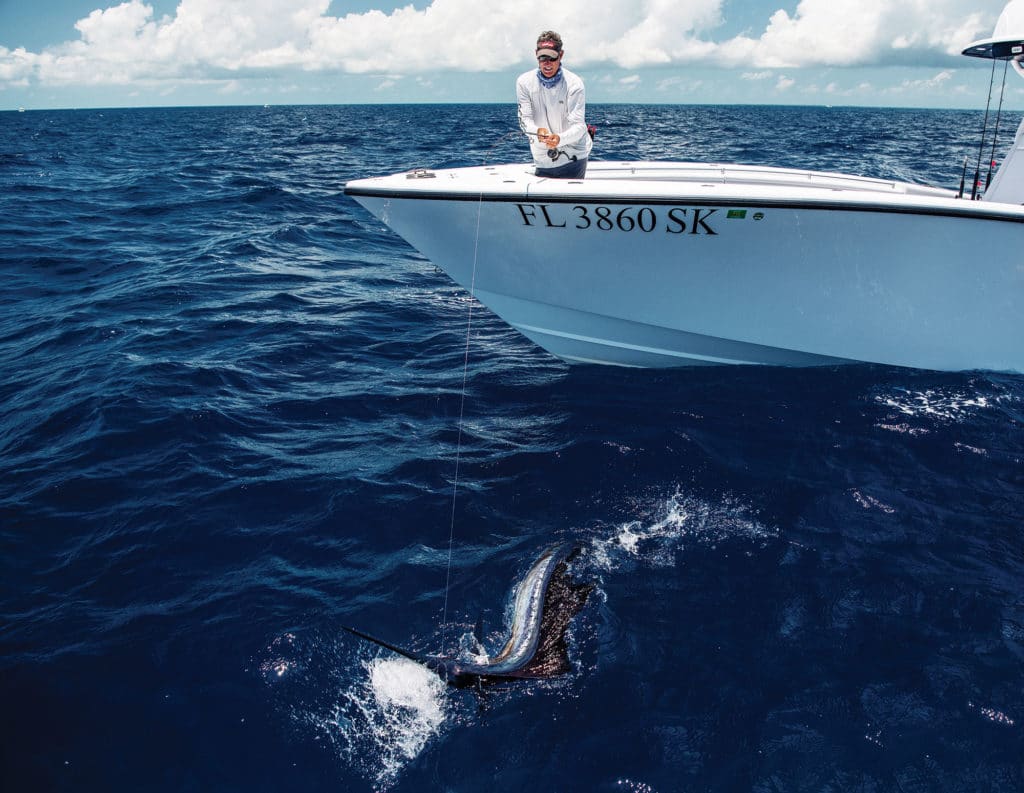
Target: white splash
<point x="280" y="662"/>
<point x="945" y="405"/>
<point x="656" y="538"/>
<point x="386" y="719"/>
<point x="870" y="502"/>
<point x="903" y="428"/>
<point x="410" y="699"/>
<point x="634" y="787"/>
<point x="993" y="715"/>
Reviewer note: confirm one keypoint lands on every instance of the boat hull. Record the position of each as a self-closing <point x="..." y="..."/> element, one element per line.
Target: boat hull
<point x="689" y="275"/>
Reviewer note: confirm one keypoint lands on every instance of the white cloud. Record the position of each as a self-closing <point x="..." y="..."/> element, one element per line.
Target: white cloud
<point x="681" y="84"/>
<point x="937" y="82"/>
<point x="16" y="66"/>
<point x="627" y="33"/>
<point x="224" y="40"/>
<point x="784" y="83"/>
<point x="863" y="32"/>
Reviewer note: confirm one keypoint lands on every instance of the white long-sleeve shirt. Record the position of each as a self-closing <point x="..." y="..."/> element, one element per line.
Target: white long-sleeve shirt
<point x="561" y="110"/>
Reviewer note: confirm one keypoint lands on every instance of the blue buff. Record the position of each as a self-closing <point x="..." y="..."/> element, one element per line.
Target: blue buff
<point x="549" y="82"/>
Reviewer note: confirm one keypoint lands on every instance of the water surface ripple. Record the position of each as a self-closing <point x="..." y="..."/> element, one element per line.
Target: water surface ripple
<point x="229" y="425"/>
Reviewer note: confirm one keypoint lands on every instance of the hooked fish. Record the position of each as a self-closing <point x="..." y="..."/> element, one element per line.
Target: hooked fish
<point x="545" y="602"/>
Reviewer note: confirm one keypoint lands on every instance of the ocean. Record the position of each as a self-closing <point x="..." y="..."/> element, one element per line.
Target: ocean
<point x="234" y="419"/>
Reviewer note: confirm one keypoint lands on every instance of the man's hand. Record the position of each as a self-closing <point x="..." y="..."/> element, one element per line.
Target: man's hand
<point x="547" y="137"/>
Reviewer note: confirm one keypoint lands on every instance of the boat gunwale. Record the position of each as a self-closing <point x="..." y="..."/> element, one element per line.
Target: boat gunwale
<point x="924" y="205"/>
<point x="665" y="172"/>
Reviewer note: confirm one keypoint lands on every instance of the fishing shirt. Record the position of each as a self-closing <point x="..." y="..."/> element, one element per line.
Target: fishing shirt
<point x="561" y="109"/>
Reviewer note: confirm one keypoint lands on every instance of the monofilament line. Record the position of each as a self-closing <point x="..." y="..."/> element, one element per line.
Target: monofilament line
<point x="462" y="408"/>
<point x="465" y="375"/>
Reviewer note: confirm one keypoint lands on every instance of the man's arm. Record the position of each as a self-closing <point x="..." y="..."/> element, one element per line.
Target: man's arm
<point x="527" y="123"/>
<point x="576" y="112"/>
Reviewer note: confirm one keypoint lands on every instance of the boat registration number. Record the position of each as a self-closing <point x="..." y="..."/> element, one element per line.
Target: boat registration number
<point x="601" y="217"/>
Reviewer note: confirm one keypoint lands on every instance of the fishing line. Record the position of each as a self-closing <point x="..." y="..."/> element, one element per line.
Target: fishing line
<point x="462" y="409"/>
<point x="465" y="376"/>
<point x="465" y="372"/>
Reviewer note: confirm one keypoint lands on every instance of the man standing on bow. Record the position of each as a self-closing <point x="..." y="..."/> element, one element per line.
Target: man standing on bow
<point x="552" y="106"/>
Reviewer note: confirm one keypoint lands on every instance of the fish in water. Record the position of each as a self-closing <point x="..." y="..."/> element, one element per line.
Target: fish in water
<point x="545" y="602"/>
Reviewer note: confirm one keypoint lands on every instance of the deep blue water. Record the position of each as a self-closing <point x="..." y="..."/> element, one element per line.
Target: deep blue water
<point x="229" y="418"/>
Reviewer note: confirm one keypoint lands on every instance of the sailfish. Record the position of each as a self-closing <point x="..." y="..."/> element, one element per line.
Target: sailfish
<point x="545" y="602"/>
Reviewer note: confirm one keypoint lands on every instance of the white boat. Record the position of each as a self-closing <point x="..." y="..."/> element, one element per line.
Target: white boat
<point x="679" y="264"/>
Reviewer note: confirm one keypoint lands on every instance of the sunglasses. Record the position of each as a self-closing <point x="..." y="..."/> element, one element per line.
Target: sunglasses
<point x="547" y="58"/>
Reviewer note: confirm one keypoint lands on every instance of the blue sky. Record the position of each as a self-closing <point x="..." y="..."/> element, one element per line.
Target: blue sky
<point x="107" y="53"/>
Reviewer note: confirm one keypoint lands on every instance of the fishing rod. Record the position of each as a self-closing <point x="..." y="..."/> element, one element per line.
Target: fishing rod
<point x="984" y="134"/>
<point x="554" y="152"/>
<point x="995" y="134"/>
<point x="1019" y="68"/>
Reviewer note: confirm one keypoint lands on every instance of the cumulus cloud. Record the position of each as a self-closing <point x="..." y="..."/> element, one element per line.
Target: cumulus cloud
<point x="940" y="80"/>
<point x="864" y="32"/>
<point x="679" y="84"/>
<point x="226" y="40"/>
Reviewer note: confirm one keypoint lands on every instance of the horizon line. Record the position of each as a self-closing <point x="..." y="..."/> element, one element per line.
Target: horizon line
<point x="270" y="105"/>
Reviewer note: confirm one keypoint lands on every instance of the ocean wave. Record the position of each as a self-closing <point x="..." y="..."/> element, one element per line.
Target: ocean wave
<point x="237" y="412"/>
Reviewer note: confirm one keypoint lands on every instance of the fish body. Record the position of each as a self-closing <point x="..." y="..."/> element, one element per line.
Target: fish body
<point x="544" y="603"/>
